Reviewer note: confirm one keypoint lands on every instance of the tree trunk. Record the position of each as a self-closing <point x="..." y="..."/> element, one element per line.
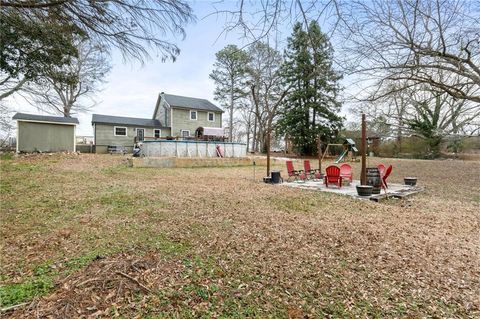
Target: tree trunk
<point x="254" y="135"/>
<point x="249" y="126"/>
<point x="319" y="154"/>
<point x="230" y="137"/>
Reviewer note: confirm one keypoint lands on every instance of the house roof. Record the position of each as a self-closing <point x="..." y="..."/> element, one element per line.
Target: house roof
<point x="45" y="118"/>
<point x="107" y="119"/>
<point x="190" y="103"/>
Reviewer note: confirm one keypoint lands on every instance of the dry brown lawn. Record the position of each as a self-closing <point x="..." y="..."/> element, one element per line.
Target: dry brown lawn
<point x="86" y="236"/>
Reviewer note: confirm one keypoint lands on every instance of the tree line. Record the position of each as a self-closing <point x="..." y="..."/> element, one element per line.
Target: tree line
<point x="413" y="65"/>
<point x="293" y="93"/>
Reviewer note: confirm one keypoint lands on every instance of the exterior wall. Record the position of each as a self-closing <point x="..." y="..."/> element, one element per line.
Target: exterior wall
<point x="105" y="135"/>
<point x="163" y="113"/>
<point x="45" y="137"/>
<point x="181" y="121"/>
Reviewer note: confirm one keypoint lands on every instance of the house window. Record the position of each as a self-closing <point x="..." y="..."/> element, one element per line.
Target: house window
<point x="185" y="133"/>
<point x="211" y="117"/>
<point x="119" y="131"/>
<point x="193" y="115"/>
<point x="156" y="133"/>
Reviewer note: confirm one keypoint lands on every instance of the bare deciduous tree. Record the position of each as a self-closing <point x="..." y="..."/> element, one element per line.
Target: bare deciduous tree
<point x="430" y="42"/>
<point x="6" y="126"/>
<point x="267" y="89"/>
<point x="424" y="112"/>
<point x="408" y="40"/>
<point x="71" y="89"/>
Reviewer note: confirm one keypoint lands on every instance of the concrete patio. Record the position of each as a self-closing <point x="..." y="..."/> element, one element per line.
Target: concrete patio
<point x="394" y="190"/>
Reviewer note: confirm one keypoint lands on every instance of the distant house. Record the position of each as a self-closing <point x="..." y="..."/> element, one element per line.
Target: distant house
<point x="39" y="133"/>
<point x="183" y="115"/>
<point x="174" y="117"/>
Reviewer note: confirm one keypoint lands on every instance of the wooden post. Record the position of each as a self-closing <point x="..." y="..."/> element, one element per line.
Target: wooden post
<point x="269" y="137"/>
<point x="363" y="173"/>
<point x="319" y="146"/>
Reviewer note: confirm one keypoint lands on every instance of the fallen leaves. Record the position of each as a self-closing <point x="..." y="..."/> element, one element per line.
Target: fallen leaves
<point x="193" y="242"/>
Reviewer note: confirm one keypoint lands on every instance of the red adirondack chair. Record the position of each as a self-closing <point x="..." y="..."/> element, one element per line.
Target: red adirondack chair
<point x="381" y="169"/>
<point x="292" y="173"/>
<point x="346" y="172"/>
<point x="385" y="176"/>
<point x="332" y="176"/>
<point x="312" y="173"/>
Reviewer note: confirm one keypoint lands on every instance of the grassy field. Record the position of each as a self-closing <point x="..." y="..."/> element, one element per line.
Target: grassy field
<point x="84" y="235"/>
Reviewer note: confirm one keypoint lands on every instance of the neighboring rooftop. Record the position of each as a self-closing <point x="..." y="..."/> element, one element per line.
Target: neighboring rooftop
<point x="190" y="103"/>
<point x="45" y="118"/>
<point x="107" y="119"/>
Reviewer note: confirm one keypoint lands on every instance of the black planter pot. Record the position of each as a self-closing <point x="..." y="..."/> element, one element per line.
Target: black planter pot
<point x="364" y="190"/>
<point x="411" y="181"/>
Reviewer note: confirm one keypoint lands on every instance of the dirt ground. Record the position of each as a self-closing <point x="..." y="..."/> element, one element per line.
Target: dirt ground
<point x="87" y="236"/>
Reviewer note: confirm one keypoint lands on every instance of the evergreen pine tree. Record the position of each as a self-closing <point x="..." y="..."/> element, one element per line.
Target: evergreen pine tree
<point x="311" y="108"/>
<point x="229" y="76"/>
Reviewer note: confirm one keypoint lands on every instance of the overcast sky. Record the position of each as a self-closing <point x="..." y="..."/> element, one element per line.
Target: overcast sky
<point x="132" y="89"/>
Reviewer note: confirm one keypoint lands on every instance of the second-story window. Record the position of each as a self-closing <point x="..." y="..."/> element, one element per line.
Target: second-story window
<point x="193" y="115"/>
<point x="211" y="117"/>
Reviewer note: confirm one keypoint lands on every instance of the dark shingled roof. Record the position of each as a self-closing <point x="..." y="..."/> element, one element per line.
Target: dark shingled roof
<point x="45" y="118"/>
<point x="190" y="103"/>
<point x="107" y="119"/>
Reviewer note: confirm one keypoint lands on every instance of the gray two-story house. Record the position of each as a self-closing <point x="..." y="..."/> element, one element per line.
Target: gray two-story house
<point x="174" y="117"/>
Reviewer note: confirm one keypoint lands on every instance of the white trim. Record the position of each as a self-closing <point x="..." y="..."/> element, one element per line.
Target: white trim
<point x="18" y="129"/>
<point x="159" y="132"/>
<point x="47" y="122"/>
<point x="196" y="115"/>
<point x="115" y="130"/>
<point x="208" y="116"/>
<point x="74" y="139"/>
<point x="181" y="133"/>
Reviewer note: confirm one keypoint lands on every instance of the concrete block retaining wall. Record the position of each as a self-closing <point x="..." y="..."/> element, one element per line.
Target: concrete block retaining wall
<point x="168" y="162"/>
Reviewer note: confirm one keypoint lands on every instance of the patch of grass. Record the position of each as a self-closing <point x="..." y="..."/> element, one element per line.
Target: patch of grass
<point x="13" y="166"/>
<point x="42" y="281"/>
<point x="81" y="261"/>
<point x="334" y="310"/>
<point x="13" y="294"/>
<point x="368" y="309"/>
<point x="162" y="243"/>
<point x="6" y="156"/>
<point x="109" y="171"/>
<point x="296" y="204"/>
<point x="5" y="187"/>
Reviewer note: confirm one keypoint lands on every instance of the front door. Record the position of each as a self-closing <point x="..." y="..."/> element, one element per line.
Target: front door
<point x="140" y="134"/>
